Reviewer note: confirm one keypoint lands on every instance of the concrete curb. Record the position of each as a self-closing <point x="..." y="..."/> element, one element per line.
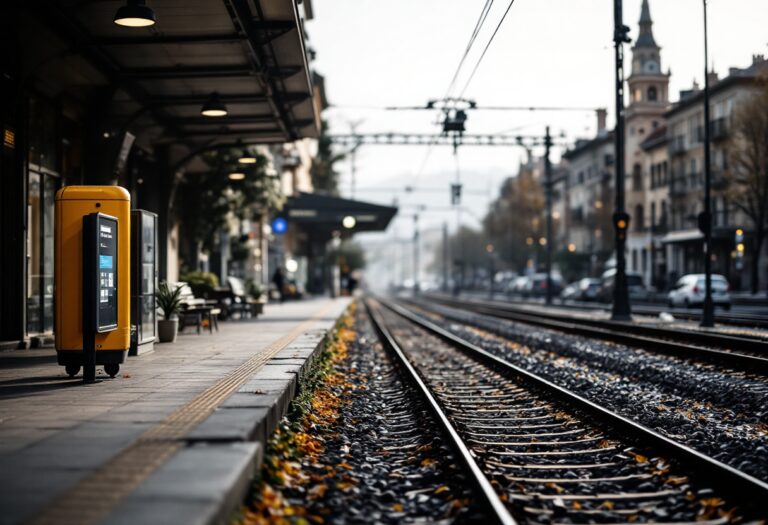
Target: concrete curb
<point x="206" y="482"/>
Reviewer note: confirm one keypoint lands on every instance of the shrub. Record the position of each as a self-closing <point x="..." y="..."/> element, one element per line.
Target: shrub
<point x="201" y="283"/>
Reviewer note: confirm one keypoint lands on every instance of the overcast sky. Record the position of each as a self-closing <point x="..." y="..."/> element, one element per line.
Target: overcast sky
<point x="547" y="52"/>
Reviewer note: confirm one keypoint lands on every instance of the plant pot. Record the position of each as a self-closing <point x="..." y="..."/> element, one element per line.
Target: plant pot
<point x="167" y="330"/>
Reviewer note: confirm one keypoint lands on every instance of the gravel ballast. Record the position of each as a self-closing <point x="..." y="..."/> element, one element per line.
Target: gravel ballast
<point x="721" y="413"/>
<point x="361" y="447"/>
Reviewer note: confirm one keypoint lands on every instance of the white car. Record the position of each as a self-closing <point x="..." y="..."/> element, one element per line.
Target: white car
<point x="690" y="289"/>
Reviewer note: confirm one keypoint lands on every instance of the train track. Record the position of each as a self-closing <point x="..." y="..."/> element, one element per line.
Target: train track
<point x="742" y="353"/>
<point x="745" y="319"/>
<point x="540" y="453"/>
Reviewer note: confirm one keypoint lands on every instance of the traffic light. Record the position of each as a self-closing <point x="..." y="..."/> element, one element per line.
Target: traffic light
<point x="739" y="242"/>
<point x="455" y="194"/>
<point x="621" y="223"/>
<point x="705" y="222"/>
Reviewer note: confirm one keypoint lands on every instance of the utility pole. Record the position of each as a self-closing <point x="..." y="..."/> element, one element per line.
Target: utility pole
<point x="446" y="258"/>
<point x="548" y="195"/>
<point x="416" y="254"/>
<point x="353" y="157"/>
<point x="491" y="271"/>
<point x="705" y="218"/>
<point x="621" y="309"/>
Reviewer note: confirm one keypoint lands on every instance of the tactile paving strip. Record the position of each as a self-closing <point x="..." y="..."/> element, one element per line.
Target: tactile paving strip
<point x="95" y="496"/>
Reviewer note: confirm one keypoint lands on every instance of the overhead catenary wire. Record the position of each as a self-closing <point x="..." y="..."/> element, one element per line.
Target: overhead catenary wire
<point x="475" y="31"/>
<point x="485" y="50"/>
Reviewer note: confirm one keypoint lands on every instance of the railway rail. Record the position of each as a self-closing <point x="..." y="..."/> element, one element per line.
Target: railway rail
<point x="538" y="452"/>
<point x="744" y="319"/>
<point x="742" y="353"/>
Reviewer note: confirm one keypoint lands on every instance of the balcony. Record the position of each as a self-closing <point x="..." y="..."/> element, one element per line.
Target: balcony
<point x="678" y="186"/>
<point x="677" y="146"/>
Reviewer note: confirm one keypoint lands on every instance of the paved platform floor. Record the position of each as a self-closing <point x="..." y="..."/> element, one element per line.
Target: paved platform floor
<point x="54" y="431"/>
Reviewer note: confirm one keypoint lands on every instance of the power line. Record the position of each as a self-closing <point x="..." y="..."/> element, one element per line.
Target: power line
<point x="479" y="60"/>
<point x="478" y="26"/>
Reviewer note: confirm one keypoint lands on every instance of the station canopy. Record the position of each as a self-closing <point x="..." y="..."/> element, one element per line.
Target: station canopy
<point x="251" y="52"/>
<point x="322" y="214"/>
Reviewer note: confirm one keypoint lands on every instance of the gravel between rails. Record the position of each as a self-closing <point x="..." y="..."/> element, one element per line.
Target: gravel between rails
<point x="383" y="458"/>
<point x="555" y="466"/>
<point x="723" y="414"/>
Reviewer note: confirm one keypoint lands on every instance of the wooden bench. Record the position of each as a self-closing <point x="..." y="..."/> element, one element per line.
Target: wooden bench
<point x="196" y="310"/>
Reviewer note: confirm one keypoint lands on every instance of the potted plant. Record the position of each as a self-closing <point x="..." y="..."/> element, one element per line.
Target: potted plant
<point x="169" y="302"/>
<point x="256" y="291"/>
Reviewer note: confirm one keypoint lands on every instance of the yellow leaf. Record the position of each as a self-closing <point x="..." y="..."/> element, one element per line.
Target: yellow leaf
<point x="441" y="489"/>
<point x="318" y="491"/>
<point x="397" y="507"/>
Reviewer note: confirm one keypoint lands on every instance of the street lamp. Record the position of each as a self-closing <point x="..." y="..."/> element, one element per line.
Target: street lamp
<point x="621" y="310"/>
<point x="705" y="218"/>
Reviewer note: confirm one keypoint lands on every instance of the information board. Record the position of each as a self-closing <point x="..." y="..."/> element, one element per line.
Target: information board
<point x="100" y="272"/>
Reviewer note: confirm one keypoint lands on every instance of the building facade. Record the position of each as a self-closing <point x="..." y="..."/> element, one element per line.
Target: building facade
<point x="685" y="123"/>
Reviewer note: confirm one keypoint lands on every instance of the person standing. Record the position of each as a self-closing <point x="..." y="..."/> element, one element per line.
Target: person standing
<point x="279" y="280"/>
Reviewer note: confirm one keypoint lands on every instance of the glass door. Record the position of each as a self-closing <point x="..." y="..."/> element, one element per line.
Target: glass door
<point x="40" y="218"/>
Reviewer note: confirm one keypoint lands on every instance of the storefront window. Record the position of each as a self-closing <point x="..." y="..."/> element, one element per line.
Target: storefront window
<point x="43" y="183"/>
<point x="34" y="321"/>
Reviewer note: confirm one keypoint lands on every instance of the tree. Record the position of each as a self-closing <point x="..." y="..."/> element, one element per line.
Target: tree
<point x="467" y="252"/>
<point x="349" y="255"/>
<point x="748" y="173"/>
<point x="205" y="200"/>
<point x="325" y="177"/>
<point x="515" y="222"/>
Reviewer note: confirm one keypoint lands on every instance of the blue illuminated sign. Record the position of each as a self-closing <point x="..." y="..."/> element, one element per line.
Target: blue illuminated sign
<point x="105" y="262"/>
<point x="279" y="226"/>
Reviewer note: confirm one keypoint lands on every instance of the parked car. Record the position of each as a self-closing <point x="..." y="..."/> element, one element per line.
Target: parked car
<point x="536" y="286"/>
<point x="570" y="292"/>
<point x="689" y="291"/>
<point x="517" y="285"/>
<point x="637" y="290"/>
<point x="586" y="289"/>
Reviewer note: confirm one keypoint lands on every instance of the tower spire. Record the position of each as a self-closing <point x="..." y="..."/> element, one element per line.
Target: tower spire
<point x="645" y="39"/>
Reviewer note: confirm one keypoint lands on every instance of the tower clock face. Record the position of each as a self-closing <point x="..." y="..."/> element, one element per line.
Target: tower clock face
<point x="650" y="67"/>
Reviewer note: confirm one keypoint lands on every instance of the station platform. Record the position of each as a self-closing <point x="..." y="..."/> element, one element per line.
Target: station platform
<point x="175" y="438"/>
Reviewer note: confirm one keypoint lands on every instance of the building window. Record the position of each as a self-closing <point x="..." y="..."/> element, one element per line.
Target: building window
<point x="653" y="96"/>
<point x="637" y="177"/>
<point x="639" y="218"/>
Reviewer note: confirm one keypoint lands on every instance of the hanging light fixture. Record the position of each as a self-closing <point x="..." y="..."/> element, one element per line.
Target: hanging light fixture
<point x="236" y="176"/>
<point x="136" y="13"/>
<point x="246" y="158"/>
<point x="214" y="107"/>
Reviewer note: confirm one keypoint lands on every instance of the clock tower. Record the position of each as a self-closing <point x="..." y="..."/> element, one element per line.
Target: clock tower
<point x="648" y="88"/>
<point x="648" y="85"/>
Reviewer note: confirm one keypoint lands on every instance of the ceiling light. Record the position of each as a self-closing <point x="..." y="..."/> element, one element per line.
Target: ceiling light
<point x="247" y="159"/>
<point x="236" y="176"/>
<point x="136" y="13"/>
<point x="349" y="222"/>
<point x="214" y="107"/>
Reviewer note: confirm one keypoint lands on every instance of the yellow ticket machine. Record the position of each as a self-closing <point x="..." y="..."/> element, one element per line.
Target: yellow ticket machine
<point x="92" y="278"/>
